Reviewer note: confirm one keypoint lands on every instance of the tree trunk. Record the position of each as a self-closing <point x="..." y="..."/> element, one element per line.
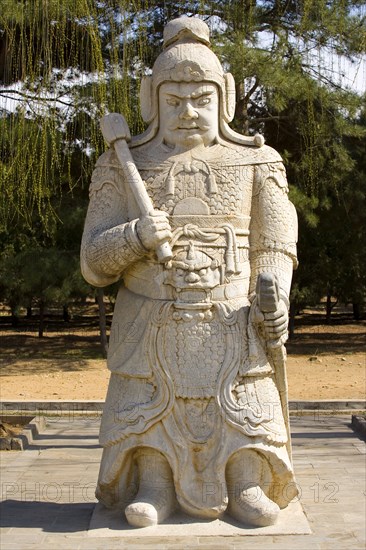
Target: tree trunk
<point x="356" y="311"/>
<point x="102" y="321"/>
<point x="241" y="108"/>
<point x="291" y="323"/>
<point x="29" y="312"/>
<point x="65" y="313"/>
<point x="41" y="319"/>
<point x="14" y="317"/>
<point x="328" y="308"/>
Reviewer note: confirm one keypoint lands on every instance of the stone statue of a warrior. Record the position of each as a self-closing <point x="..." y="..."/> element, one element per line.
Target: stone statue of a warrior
<point x="196" y="411"/>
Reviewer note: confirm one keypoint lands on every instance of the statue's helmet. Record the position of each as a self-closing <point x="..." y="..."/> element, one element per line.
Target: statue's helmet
<point x="187" y="57"/>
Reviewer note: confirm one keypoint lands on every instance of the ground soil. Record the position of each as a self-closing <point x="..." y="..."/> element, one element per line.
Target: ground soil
<point x="324" y="361"/>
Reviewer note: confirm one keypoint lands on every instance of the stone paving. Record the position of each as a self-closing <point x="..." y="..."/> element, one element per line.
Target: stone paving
<point x="48" y="491"/>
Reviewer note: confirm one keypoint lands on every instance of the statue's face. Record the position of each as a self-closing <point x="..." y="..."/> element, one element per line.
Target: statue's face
<point x="188" y="113"/>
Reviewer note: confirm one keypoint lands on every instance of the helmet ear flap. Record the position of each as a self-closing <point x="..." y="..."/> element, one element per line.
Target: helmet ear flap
<point x="147" y="100"/>
<point x="229" y="97"/>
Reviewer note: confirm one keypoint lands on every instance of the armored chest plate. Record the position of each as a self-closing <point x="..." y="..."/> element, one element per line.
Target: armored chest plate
<point x="197" y="187"/>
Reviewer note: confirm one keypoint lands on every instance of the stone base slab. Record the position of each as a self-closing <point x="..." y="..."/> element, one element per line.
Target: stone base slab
<point x="32" y="426"/>
<point x="95" y="407"/>
<point x="359" y="425"/>
<point x="110" y="523"/>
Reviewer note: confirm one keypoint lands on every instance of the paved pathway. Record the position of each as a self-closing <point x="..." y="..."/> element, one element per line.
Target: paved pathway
<point x="48" y="492"/>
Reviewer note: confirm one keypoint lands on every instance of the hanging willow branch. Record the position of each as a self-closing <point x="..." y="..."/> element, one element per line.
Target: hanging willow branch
<point x="64" y="63"/>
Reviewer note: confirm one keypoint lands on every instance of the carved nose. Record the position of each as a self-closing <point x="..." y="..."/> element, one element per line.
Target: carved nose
<point x="188" y="112"/>
<point x="192" y="277"/>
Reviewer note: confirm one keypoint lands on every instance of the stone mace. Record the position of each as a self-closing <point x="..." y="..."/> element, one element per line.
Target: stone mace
<point x="116" y="133"/>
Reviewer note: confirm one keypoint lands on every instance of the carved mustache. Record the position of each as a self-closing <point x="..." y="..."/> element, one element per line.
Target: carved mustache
<point x="189" y="127"/>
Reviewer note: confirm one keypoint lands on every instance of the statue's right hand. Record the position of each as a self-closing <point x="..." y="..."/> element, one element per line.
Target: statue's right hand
<point x="154" y="229"/>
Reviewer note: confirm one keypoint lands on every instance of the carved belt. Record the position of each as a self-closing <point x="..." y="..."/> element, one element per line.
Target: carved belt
<point x="237" y="288"/>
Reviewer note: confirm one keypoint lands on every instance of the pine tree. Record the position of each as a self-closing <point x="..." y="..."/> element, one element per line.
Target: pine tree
<point x="67" y="62"/>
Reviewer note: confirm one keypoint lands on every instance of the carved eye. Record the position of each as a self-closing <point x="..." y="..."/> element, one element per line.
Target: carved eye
<point x="204" y="101"/>
<point x="203" y="272"/>
<point x="172" y="101"/>
<point x="180" y="272"/>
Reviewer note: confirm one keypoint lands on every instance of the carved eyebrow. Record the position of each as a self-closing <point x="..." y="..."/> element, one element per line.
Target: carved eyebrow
<point x="194" y="95"/>
<point x="202" y="93"/>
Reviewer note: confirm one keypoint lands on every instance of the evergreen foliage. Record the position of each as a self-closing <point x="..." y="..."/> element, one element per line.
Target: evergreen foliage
<point x="64" y="63"/>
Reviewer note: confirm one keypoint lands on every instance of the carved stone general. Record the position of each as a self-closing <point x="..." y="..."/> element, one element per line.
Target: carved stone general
<point x="194" y="221"/>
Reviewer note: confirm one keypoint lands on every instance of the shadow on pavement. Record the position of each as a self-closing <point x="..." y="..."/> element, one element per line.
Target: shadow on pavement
<point x="51" y="517"/>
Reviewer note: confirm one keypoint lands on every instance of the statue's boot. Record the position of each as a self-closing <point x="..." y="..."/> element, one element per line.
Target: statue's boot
<point x="246" y="472"/>
<point x="156" y="499"/>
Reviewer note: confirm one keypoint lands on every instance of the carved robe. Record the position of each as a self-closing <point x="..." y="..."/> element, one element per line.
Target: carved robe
<point x="191" y="375"/>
